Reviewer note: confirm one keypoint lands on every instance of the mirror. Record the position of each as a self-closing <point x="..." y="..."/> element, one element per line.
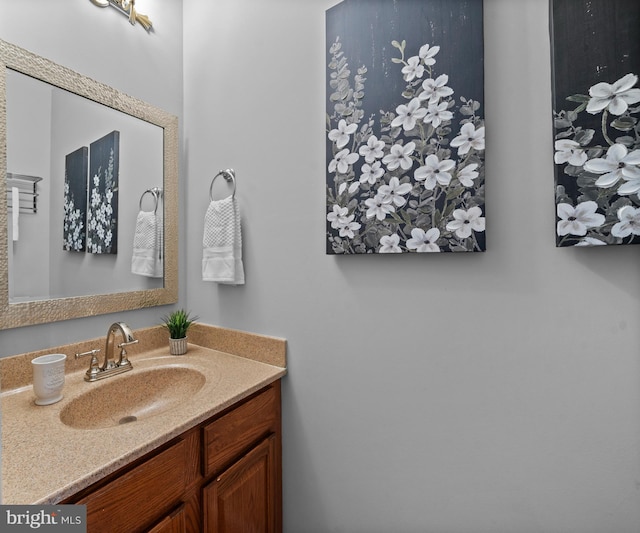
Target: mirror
<point x="100" y="158"/>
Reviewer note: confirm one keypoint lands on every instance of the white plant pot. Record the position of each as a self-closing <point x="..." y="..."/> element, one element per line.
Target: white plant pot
<point x="178" y="346"/>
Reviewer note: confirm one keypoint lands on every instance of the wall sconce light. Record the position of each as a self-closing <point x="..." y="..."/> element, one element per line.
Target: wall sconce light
<point x="127" y="7"/>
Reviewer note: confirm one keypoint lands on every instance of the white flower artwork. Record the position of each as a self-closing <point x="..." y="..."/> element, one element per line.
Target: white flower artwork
<point x="75" y="201"/>
<point x="102" y="215"/>
<point x="404" y="127"/>
<point x="596" y="122"/>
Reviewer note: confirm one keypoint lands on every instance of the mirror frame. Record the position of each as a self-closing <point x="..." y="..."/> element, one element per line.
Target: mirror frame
<point x="14" y="315"/>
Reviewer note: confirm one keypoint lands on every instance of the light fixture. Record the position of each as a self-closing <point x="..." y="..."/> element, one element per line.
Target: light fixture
<point x="126" y="7"/>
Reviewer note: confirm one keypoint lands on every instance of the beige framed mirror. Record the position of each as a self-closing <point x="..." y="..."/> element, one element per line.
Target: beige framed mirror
<point x="66" y="120"/>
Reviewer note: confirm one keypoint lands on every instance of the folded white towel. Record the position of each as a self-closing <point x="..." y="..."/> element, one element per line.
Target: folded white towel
<point x="15" y="212"/>
<point x="222" y="243"/>
<point x="147" y="245"/>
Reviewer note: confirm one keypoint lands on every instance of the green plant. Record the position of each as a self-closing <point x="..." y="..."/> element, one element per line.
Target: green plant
<point x="178" y="322"/>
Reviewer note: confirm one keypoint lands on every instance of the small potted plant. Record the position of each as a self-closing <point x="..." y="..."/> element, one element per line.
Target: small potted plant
<point x="177" y="323"/>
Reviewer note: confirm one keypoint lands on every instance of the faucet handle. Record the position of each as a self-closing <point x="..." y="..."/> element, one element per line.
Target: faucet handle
<point x="93" y="353"/>
<point x="94" y="365"/>
<point x="122" y="344"/>
<point x="123" y="361"/>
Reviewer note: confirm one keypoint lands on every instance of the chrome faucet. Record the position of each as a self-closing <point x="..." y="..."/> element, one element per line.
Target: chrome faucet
<point x="110" y="366"/>
<point x="127" y="339"/>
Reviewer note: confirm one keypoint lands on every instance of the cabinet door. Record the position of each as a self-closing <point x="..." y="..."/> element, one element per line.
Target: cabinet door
<point x="242" y="498"/>
<point x="174" y="523"/>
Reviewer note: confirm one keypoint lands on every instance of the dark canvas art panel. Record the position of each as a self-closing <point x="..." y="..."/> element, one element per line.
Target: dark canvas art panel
<point x="596" y="107"/>
<point x="405" y="135"/>
<point x="75" y="200"/>
<point x="102" y="219"/>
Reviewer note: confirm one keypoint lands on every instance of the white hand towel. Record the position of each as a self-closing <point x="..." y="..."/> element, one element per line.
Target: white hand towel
<point x="15" y="212"/>
<point x="147" y="245"/>
<point x="222" y="243"/>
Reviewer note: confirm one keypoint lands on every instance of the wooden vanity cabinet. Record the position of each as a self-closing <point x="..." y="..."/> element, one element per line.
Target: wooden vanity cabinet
<point x="223" y="476"/>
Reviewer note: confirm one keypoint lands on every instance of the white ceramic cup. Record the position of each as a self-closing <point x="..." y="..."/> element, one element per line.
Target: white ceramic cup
<point x="48" y="378"/>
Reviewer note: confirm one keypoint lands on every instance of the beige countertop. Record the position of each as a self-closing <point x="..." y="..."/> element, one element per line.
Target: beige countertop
<point x="45" y="461"/>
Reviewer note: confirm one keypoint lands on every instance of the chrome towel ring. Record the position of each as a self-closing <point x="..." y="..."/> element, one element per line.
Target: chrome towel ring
<point x="156" y="192"/>
<point x="229" y="175"/>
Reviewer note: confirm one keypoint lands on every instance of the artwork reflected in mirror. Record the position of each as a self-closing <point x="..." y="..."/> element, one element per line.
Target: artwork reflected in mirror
<point x="596" y="112"/>
<point x="75" y="200"/>
<point x="102" y="217"/>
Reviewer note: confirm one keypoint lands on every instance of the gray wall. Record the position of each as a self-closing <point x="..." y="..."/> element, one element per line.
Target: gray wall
<point x="495" y="392"/>
<point x="28" y="125"/>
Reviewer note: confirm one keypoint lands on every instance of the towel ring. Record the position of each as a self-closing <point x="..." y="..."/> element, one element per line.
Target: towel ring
<point x="156" y="192"/>
<point x="228" y="174"/>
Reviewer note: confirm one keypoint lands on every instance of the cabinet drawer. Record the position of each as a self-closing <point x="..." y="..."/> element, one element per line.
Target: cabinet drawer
<point x="141" y="496"/>
<point x="234" y="433"/>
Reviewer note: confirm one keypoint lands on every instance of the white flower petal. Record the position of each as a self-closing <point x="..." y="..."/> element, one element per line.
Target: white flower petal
<point x="625" y="83"/>
<point x="600" y="166"/>
<point x="632" y="96"/>
<point x="601" y="90"/>
<point x="596" y="105"/>
<point x="608" y="180"/>
<point x="633" y="158"/>
<point x="618" y="106"/>
<point x="630" y="187"/>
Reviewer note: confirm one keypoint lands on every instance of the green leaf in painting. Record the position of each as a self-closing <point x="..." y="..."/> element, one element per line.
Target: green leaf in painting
<point x="578" y="98"/>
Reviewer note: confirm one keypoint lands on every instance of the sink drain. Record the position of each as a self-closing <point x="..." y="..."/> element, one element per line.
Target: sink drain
<point x="127" y="419"/>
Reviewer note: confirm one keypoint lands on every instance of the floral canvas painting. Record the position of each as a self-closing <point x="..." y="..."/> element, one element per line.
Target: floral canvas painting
<point x="405" y="133"/>
<point x="596" y="99"/>
<point x="75" y="200"/>
<point x="102" y="215"/>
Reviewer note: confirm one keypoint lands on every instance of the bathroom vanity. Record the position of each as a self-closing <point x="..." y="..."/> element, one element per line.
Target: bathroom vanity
<point x="222" y="472"/>
<point x="205" y="458"/>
